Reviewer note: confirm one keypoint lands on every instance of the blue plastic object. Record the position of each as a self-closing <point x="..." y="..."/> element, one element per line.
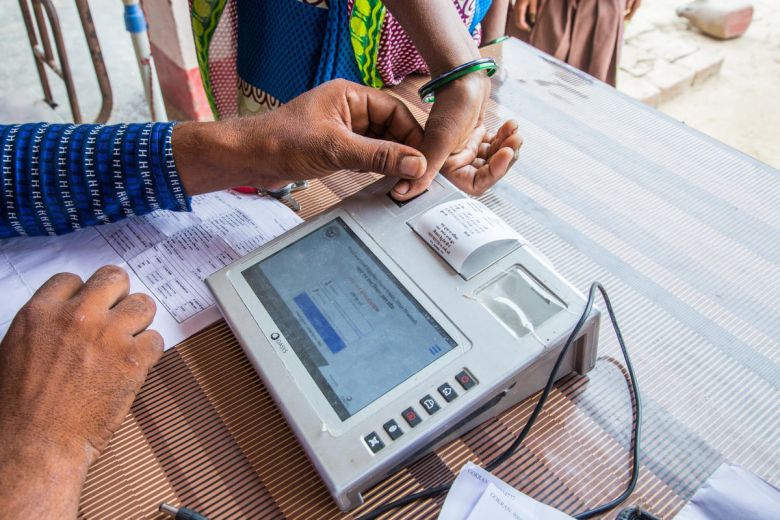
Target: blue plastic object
<point x="134" y="18"/>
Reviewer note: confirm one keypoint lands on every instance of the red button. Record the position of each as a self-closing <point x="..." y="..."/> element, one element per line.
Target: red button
<point x="465" y="379"/>
<point x="411" y="417"/>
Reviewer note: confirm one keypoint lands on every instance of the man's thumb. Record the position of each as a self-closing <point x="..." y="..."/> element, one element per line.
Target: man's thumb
<point x="384" y="157"/>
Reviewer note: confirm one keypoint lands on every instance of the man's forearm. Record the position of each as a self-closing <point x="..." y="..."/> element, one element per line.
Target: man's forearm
<point x="59" y="178"/>
<point x="37" y="480"/>
<point x="212" y="156"/>
<point x="437" y="31"/>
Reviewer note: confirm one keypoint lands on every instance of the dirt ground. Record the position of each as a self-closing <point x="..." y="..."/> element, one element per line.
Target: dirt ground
<point x="740" y="106"/>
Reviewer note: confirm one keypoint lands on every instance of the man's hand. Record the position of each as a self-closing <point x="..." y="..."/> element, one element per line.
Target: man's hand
<point x="71" y="365"/>
<point x="337" y="126"/>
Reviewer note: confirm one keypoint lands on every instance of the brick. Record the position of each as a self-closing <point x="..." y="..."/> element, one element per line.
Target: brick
<point x="670" y="47"/>
<point x="671" y="79"/>
<point x="636" y="61"/>
<point x="704" y="64"/>
<point x="637" y="27"/>
<point x="639" y="88"/>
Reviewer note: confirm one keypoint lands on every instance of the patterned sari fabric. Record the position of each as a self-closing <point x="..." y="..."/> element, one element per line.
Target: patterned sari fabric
<point x="274" y="50"/>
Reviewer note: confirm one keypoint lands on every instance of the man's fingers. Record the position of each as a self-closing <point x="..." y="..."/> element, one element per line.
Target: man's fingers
<point x="377" y="112"/>
<point x="106" y="287"/>
<point x="380" y="156"/>
<point x="135" y="312"/>
<point x="61" y="286"/>
<point x="442" y="137"/>
<point x="148" y="347"/>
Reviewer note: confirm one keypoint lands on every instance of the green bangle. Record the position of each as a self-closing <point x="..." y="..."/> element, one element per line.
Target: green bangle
<point x="493" y="42"/>
<point x="427" y="91"/>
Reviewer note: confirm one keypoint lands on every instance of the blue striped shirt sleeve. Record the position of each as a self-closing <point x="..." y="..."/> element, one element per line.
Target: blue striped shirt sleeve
<point x="60" y="178"/>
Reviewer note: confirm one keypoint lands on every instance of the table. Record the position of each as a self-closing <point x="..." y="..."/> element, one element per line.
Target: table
<point x="683" y="231"/>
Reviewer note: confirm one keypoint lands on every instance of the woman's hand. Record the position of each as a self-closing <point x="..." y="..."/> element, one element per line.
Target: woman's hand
<point x="456" y="114"/>
<point x="457" y="144"/>
<point x="337" y="126"/>
<point x="485" y="158"/>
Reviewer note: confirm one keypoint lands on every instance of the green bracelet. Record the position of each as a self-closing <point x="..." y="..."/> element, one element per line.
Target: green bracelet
<point x="493" y="42"/>
<point x="427" y="91"/>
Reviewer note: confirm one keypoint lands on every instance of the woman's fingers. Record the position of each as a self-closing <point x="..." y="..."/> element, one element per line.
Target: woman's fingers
<point x="507" y="130"/>
<point x="469" y="152"/>
<point x="483" y="163"/>
<point x="481" y="175"/>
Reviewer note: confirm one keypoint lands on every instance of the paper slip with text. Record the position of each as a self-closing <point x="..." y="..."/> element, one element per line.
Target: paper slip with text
<point x="477" y="495"/>
<point x="467" y="235"/>
<point x="167" y="255"/>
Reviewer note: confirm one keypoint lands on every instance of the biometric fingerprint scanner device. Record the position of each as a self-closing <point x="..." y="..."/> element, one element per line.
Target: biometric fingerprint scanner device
<point x="383" y="331"/>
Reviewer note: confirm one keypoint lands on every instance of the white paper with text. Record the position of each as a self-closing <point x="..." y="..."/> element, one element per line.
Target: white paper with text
<point x="478" y="495"/>
<point x="167" y="255"/>
<point x="467" y="235"/>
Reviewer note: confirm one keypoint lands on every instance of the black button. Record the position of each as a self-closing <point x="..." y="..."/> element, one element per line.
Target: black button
<point x="430" y="404"/>
<point x="374" y="442"/>
<point x="466" y="380"/>
<point x="447" y="392"/>
<point x="402" y="203"/>
<point x="411" y="417"/>
<point x="392" y="429"/>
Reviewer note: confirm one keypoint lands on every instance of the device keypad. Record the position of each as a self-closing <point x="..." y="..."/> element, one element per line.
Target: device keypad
<point x="411" y="416"/>
<point x="393" y="430"/>
<point x="464" y="378"/>
<point x="429" y="404"/>
<point x="447" y="392"/>
<point x="374" y="442"/>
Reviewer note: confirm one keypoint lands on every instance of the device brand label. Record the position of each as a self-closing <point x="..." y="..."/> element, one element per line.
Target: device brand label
<point x="276" y="338"/>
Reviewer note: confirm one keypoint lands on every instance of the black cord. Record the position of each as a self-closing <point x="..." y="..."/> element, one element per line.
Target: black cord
<point x="637" y="426"/>
<point x="508" y="452"/>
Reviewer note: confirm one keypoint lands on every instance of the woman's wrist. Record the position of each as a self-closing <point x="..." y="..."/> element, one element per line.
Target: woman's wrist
<point x="471" y="69"/>
<point x="446" y="59"/>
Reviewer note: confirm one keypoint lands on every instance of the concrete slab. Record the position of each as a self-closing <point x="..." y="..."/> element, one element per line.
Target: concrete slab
<point x="670" y="78"/>
<point x="639" y="88"/>
<point x="704" y="63"/>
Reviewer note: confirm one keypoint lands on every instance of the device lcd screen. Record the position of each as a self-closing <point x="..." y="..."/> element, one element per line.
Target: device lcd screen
<point x="357" y="330"/>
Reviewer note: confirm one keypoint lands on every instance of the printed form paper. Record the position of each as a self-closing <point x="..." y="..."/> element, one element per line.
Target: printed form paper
<point x="167" y="255"/>
<point x="478" y="495"/>
<point x="467" y="235"/>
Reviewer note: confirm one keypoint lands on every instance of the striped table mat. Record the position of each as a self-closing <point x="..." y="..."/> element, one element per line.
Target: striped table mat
<point x="683" y="232"/>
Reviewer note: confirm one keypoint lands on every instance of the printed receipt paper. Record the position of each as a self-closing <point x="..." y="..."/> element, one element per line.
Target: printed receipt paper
<point x="478" y="495"/>
<point x="467" y="235"/>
